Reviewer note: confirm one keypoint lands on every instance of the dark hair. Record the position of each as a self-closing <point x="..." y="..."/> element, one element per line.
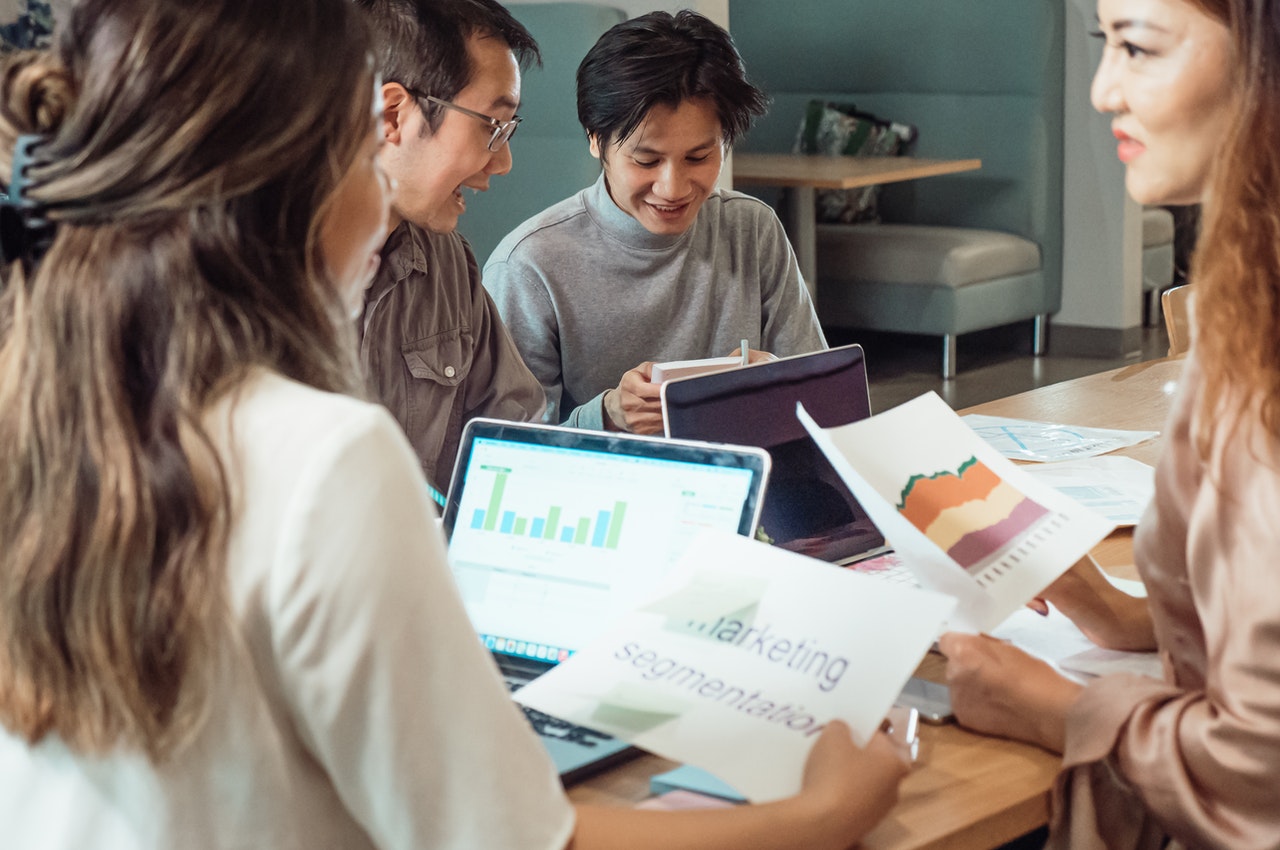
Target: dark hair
<point x="189" y="150"/>
<point x="422" y="44"/>
<point x="665" y="59"/>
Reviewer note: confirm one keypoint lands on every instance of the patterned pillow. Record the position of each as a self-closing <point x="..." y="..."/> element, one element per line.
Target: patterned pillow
<point x="839" y="129"/>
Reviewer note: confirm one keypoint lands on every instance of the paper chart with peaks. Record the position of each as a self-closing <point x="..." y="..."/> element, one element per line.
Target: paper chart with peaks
<point x="963" y="518"/>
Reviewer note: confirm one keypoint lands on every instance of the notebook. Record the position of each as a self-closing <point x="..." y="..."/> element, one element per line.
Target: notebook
<point x="808" y="508"/>
<point x="554" y="531"/>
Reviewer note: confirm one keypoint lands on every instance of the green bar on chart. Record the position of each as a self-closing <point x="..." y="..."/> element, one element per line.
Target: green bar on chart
<point x="615" y="525"/>
<point x="553" y="523"/>
<point x="495" y="501"/>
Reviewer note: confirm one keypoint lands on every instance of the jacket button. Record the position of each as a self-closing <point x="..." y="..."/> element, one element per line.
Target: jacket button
<point x="449" y="371"/>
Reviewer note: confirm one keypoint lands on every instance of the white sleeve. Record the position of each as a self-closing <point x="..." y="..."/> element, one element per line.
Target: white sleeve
<point x="389" y="686"/>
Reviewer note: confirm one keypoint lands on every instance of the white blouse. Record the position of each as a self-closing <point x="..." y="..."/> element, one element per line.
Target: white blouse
<point x="354" y="707"/>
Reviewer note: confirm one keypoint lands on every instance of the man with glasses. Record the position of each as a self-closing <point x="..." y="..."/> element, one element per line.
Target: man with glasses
<point x="432" y="345"/>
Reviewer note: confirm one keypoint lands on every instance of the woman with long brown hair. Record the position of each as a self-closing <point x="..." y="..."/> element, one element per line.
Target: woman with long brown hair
<point x="226" y="617"/>
<point x="1192" y="88"/>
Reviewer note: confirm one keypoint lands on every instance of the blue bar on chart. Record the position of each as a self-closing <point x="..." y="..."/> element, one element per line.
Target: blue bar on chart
<point x="602" y="528"/>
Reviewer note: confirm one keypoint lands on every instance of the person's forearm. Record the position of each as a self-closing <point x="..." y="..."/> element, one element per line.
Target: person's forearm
<point x="611" y="415"/>
<point x="1127" y="625"/>
<point x="1107" y="615"/>
<point x="1047" y="716"/>
<point x="790" y="823"/>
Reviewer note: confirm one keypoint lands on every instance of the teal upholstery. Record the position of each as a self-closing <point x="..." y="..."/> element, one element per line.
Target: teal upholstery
<point x="549" y="151"/>
<point x="979" y="81"/>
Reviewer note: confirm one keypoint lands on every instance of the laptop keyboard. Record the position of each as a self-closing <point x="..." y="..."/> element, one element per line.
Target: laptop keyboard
<point x="887" y="567"/>
<point x="553" y="727"/>
<point x="897" y="575"/>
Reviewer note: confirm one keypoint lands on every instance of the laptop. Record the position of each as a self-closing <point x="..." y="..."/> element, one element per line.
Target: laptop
<point x="808" y="508"/>
<point x="553" y="532"/>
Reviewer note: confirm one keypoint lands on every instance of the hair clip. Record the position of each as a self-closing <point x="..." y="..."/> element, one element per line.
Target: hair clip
<point x="25" y="233"/>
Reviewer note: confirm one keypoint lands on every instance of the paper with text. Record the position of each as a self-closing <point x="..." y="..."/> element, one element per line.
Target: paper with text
<point x="1119" y="488"/>
<point x="1045" y="442"/>
<point x="742" y="657"/>
<point x="964" y="519"/>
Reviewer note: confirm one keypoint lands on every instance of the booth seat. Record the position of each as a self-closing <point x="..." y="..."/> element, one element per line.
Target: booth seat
<point x="912" y="278"/>
<point x="954" y="254"/>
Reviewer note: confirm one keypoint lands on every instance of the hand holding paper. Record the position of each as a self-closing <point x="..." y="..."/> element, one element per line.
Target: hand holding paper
<point x="747" y="643"/>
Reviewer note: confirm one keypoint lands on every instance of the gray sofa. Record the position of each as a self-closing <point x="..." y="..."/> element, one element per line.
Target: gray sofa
<point x="956" y="253"/>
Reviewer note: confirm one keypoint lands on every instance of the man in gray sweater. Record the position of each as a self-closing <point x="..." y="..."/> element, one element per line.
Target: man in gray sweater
<point x="653" y="262"/>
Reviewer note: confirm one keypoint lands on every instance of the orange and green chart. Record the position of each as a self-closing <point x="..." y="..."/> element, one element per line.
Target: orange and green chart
<point x="970" y="512"/>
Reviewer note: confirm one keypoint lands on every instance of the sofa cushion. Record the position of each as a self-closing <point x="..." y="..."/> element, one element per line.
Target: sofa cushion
<point x="922" y="254"/>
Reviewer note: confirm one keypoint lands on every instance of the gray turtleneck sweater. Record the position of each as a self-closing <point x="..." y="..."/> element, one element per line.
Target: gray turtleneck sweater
<point x="588" y="293"/>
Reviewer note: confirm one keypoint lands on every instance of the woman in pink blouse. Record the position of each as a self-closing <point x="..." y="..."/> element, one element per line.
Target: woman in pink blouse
<point x="1193" y="91"/>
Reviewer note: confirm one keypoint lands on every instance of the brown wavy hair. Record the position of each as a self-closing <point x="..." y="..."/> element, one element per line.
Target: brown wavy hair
<point x="1236" y="267"/>
<point x="190" y="150"/>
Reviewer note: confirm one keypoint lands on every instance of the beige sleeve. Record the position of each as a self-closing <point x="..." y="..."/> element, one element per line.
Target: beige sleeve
<point x="1201" y="753"/>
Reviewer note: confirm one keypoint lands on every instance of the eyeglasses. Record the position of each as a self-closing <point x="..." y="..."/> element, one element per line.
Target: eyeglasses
<point x="502" y="130"/>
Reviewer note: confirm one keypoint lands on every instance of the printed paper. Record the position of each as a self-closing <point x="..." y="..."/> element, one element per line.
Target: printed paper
<point x="743" y="657"/>
<point x="964" y="519"/>
<point x="1021" y="439"/>
<point x="1119" y="488"/>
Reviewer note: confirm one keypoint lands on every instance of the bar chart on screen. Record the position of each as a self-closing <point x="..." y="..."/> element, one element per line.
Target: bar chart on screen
<point x="600" y="528"/>
<point x="579" y="517"/>
<point x="562" y="534"/>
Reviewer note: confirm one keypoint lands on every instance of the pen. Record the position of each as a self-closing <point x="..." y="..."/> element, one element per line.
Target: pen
<point x="744" y="351"/>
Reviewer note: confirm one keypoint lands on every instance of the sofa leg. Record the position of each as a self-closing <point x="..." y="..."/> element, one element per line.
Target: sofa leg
<point x="948" y="356"/>
<point x="1039" y="334"/>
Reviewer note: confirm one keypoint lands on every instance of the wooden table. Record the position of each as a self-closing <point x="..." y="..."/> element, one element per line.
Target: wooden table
<point x="970" y="791"/>
<point x="804" y="173"/>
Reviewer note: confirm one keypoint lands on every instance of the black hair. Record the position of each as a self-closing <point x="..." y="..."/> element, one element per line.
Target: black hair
<point x="422" y="44"/>
<point x="660" y="58"/>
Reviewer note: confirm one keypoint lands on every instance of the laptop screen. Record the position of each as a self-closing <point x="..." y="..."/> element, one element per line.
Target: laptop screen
<point x="808" y="508"/>
<point x="555" y="531"/>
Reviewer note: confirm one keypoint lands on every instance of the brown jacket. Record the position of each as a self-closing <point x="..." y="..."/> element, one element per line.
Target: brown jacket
<point x="434" y="350"/>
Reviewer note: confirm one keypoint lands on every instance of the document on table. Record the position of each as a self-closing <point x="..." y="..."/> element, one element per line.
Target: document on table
<point x="964" y="519"/>
<point x="747" y="642"/>
<point x="1119" y="488"/>
<point x="1022" y="439"/>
